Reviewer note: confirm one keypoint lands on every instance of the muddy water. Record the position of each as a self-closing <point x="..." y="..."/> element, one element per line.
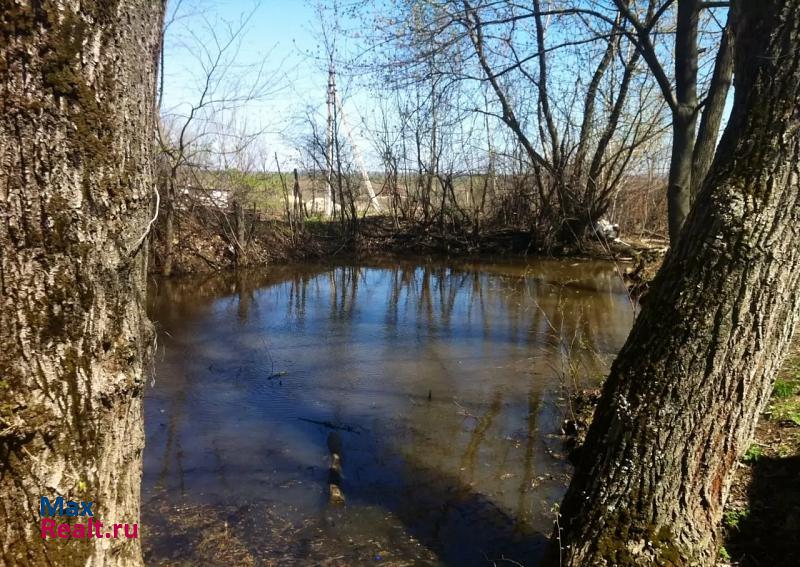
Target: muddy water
<point x="443" y="381"/>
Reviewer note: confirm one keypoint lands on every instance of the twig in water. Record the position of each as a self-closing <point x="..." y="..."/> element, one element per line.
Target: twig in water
<point x="329" y="425"/>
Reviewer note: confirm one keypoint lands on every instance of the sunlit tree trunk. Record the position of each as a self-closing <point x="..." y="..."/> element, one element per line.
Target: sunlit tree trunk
<point x="77" y="125"/>
<point x="683" y="397"/>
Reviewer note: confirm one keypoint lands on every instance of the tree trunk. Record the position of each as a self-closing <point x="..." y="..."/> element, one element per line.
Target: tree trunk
<point x="713" y="109"/>
<point x="683" y="396"/>
<point x="77" y="91"/>
<point x="169" y="230"/>
<point x="679" y="199"/>
<point x="239" y="225"/>
<point x="684" y="117"/>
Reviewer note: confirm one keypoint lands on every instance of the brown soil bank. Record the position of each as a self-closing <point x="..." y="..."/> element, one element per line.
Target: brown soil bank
<point x="204" y="244"/>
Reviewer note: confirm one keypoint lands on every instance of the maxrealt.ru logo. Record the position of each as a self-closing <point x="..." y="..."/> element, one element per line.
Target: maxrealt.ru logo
<point x="80" y="530"/>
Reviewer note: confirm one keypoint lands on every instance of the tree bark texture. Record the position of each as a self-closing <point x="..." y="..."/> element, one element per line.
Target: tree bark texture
<point x="77" y="91"/>
<point x="683" y="397"/>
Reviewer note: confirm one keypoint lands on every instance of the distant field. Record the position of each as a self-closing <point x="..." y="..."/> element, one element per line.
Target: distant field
<point x="638" y="207"/>
<point x="265" y="191"/>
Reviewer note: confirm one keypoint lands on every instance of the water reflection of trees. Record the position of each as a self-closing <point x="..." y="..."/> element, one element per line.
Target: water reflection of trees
<point x="419" y="328"/>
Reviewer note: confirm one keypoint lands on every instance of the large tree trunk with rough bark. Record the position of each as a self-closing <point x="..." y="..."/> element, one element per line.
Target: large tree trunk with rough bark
<point x="76" y="129"/>
<point x="683" y="396"/>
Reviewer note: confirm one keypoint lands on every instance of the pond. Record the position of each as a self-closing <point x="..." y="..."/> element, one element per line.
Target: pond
<point x="440" y="385"/>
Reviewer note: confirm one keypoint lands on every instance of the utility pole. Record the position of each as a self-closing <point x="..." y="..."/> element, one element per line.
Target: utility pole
<point x="360" y="162"/>
<point x="329" y="149"/>
<point x="335" y="105"/>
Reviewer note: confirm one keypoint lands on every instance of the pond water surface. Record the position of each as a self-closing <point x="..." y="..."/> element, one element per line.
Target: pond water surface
<point x="442" y="382"/>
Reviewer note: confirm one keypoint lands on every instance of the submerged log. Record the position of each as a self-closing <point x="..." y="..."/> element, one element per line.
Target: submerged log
<point x="336" y="496"/>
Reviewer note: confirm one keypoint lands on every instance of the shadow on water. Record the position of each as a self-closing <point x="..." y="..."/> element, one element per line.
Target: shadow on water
<point x="447" y="380"/>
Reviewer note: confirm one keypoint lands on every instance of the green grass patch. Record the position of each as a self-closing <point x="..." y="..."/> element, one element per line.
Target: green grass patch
<point x="753" y="454"/>
<point x="733" y="518"/>
<point x="785" y="389"/>
<point x="723" y="554"/>
<point x="785" y="404"/>
<point x="788" y="410"/>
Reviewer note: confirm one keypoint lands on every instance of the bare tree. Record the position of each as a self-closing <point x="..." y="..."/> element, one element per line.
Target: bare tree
<point x="579" y="135"/>
<point x="692" y="149"/>
<point x="683" y="397"/>
<point x="189" y="131"/>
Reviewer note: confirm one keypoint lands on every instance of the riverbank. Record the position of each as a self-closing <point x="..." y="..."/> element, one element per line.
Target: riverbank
<point x="201" y="246"/>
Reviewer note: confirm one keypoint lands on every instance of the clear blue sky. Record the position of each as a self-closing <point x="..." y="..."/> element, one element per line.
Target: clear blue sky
<point x="280" y="34"/>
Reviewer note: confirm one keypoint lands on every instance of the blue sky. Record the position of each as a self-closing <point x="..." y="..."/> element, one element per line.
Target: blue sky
<point x="283" y="38"/>
<point x="280" y="34"/>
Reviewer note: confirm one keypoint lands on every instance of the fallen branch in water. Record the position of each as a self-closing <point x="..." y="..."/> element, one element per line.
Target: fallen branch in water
<point x="329" y="425"/>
